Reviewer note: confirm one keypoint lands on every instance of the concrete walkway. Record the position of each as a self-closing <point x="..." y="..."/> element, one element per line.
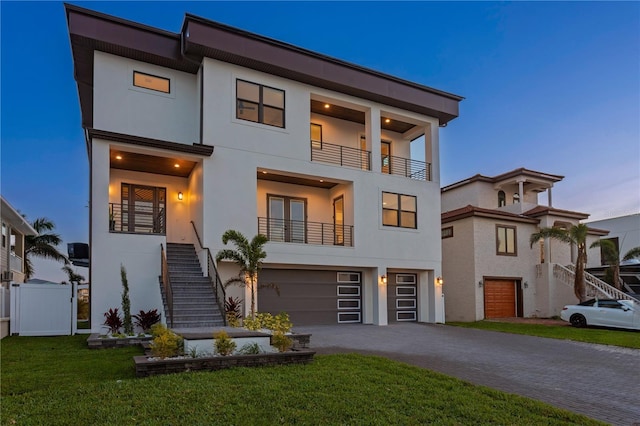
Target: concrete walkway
<point x="602" y="382"/>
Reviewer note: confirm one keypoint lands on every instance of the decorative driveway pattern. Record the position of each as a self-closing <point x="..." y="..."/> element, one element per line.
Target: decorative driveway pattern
<point x="602" y="382"/>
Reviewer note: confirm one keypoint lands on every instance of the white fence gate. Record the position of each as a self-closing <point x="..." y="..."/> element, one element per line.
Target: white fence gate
<point x="43" y="309"/>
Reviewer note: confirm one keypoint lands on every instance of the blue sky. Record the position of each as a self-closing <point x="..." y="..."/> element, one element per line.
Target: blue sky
<point x="550" y="86"/>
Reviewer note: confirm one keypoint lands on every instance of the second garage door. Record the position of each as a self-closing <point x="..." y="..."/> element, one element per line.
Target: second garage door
<point x="312" y="297"/>
<point x="499" y="298"/>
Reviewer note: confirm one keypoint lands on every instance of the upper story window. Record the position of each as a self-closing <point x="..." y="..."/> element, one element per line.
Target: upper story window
<point x="260" y="104"/>
<point x="502" y="199"/>
<point x="151" y="82"/>
<point x="4" y="235"/>
<point x="447" y="232"/>
<point x="399" y="210"/>
<point x="506" y="240"/>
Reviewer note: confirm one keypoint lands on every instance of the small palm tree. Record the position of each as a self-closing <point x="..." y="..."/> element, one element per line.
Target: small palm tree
<point x="42" y="245"/>
<point x="577" y="235"/>
<point x="247" y="255"/>
<point x="612" y="257"/>
<point x="73" y="276"/>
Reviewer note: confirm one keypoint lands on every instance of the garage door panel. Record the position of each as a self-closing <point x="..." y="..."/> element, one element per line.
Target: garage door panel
<point x="402" y="297"/>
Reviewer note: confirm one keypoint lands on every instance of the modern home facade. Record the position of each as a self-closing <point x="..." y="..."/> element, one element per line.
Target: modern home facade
<point x="214" y="128"/>
<point x="490" y="268"/>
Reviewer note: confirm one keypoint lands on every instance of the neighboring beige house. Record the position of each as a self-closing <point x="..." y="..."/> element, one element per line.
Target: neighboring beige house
<point x="213" y="128"/>
<point x="14" y="230"/>
<point x="490" y="270"/>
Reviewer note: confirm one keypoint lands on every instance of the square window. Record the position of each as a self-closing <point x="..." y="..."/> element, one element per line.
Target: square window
<point x="259" y="104"/>
<point x="399" y="210"/>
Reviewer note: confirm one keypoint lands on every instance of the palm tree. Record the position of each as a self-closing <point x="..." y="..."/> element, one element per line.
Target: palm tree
<point x="73" y="276"/>
<point x="247" y="255"/>
<point x="577" y="235"/>
<point x="42" y="245"/>
<point x="611" y="256"/>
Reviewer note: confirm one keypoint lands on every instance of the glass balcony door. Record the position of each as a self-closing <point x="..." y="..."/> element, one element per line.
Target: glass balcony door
<point x="287" y="219"/>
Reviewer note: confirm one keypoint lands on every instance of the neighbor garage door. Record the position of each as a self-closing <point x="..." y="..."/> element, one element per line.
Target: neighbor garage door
<point x="499" y="298"/>
<point x="312" y="297"/>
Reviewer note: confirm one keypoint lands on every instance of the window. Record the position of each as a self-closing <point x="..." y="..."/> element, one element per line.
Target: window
<point x="260" y="104"/>
<point x="286" y="219"/>
<point x="316" y="136"/>
<point x="506" y="240"/>
<point x="143" y="210"/>
<point x="4" y="235"/>
<point x="399" y="210"/>
<point x="151" y="82"/>
<point x="447" y="232"/>
<point x="502" y="199"/>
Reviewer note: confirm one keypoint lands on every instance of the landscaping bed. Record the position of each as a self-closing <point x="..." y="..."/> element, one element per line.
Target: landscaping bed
<point x="98" y="341"/>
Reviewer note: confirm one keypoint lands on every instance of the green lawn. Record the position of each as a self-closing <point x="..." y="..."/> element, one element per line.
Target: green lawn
<point x="627" y="339"/>
<point x="57" y="380"/>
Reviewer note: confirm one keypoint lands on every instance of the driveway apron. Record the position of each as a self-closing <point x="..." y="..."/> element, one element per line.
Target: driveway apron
<point x="599" y="381"/>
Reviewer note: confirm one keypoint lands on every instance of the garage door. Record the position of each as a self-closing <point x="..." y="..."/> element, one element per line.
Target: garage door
<point x="312" y="297"/>
<point x="499" y="298"/>
<point x="402" y="297"/>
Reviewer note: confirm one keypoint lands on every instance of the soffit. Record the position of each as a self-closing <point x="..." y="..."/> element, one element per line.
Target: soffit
<point x="295" y="180"/>
<point x="150" y="163"/>
<point x="344" y="113"/>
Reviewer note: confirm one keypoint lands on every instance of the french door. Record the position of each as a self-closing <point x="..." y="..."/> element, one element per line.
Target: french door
<point x="287" y="219"/>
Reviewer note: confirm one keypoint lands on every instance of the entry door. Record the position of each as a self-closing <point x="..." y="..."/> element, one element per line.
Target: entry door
<point x="287" y="219"/>
<point x="385" y="153"/>
<point x="338" y="221"/>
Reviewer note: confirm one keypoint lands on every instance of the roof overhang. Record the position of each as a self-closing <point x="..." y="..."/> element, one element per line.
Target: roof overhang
<point x="531" y="179"/>
<point x="15" y="219"/>
<point x="472" y="211"/>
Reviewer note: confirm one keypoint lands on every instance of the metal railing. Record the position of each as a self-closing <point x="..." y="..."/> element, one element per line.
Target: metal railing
<point x="15" y="262"/>
<point x="340" y="155"/>
<point x="137" y="219"/>
<point x="303" y="232"/>
<point x="566" y="274"/>
<point x="166" y="284"/>
<point x="214" y="278"/>
<point x="406" y="167"/>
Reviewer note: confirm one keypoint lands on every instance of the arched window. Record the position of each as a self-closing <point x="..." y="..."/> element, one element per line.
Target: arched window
<point x="516" y="198"/>
<point x="502" y="199"/>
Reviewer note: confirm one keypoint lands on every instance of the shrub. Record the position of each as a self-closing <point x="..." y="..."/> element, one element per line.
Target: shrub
<point x="223" y="344"/>
<point x="281" y="342"/>
<point x="252" y="323"/>
<point x="277" y="324"/>
<point x="113" y="321"/>
<point x="281" y="323"/>
<point x="232" y="310"/>
<point x="126" y="303"/>
<point x="145" y="320"/>
<point x="251" y="349"/>
<point x="166" y="343"/>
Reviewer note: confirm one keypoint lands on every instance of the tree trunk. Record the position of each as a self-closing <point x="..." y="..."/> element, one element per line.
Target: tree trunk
<point x="579" y="286"/>
<point x="616" y="276"/>
<point x="252" y="284"/>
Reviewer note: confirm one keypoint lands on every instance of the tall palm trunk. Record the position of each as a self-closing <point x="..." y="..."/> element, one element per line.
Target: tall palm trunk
<point x="579" y="286"/>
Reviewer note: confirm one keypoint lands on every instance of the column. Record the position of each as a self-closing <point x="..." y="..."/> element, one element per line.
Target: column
<point x="372" y="132"/>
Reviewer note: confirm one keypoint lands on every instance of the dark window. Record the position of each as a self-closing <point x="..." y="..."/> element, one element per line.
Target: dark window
<point x="604" y="257"/>
<point x="613" y="304"/>
<point x="151" y="82"/>
<point x="502" y="199"/>
<point x="260" y="104"/>
<point x="4" y="235"/>
<point x="399" y="210"/>
<point x="506" y="240"/>
<point x="447" y="232"/>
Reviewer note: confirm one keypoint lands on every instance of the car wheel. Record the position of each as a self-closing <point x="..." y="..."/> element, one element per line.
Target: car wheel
<point x="578" y="320"/>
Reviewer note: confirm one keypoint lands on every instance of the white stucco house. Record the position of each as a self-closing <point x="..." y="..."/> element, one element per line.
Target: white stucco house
<point x="213" y="128"/>
<point x="491" y="271"/>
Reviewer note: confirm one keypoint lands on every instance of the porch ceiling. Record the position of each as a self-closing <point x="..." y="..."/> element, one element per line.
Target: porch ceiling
<point x="355" y="116"/>
<point x="150" y="163"/>
<point x="295" y="180"/>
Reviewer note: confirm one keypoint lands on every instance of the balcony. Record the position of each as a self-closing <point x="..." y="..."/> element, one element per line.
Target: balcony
<point x="303" y="232"/>
<point x="15" y="262"/>
<point x="137" y="219"/>
<point x="413" y="169"/>
<point x="340" y="155"/>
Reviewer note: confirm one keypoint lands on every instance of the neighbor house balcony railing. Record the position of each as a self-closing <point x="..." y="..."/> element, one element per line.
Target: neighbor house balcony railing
<point x="137" y="219"/>
<point x="340" y="155"/>
<point x="15" y="262"/>
<point x="303" y="232"/>
<point x="406" y="167"/>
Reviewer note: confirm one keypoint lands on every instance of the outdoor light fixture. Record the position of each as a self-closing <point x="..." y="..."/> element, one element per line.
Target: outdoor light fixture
<point x="439" y="281"/>
<point x="526" y="284"/>
<point x="383" y="278"/>
<point x="326" y="105"/>
<point x="180" y="196"/>
<point x="480" y="283"/>
<point x="118" y="157"/>
<point x="387" y="120"/>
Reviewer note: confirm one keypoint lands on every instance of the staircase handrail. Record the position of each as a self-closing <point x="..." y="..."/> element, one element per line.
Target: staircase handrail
<point x="594" y="282"/>
<point x="215" y="280"/>
<point x="166" y="284"/>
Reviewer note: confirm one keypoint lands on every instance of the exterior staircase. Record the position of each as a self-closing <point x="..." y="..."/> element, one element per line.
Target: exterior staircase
<point x="194" y="300"/>
<point x="595" y="286"/>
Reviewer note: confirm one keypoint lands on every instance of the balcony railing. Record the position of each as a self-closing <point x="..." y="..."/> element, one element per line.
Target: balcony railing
<point x="303" y="232"/>
<point x="406" y="167"/>
<point x="15" y="263"/>
<point x="137" y="219"/>
<point x="340" y="155"/>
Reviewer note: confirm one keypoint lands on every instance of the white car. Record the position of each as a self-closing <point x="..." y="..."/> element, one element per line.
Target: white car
<point x="603" y="312"/>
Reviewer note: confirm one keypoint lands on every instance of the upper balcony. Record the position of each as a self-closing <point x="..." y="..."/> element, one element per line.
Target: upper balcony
<point x="340" y="135"/>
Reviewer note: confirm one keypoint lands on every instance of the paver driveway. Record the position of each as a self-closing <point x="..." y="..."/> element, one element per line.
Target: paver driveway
<point x="602" y="382"/>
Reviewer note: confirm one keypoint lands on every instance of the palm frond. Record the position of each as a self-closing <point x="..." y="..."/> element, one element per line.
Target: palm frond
<point x="633" y="253"/>
<point x="553" y="233"/>
<point x="609" y="250"/>
<point x="235" y="281"/>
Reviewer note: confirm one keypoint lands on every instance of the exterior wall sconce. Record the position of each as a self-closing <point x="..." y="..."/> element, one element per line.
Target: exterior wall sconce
<point x="180" y="196"/>
<point x="439" y="281"/>
<point x="383" y="279"/>
<point x="480" y="284"/>
<point x="526" y="284"/>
